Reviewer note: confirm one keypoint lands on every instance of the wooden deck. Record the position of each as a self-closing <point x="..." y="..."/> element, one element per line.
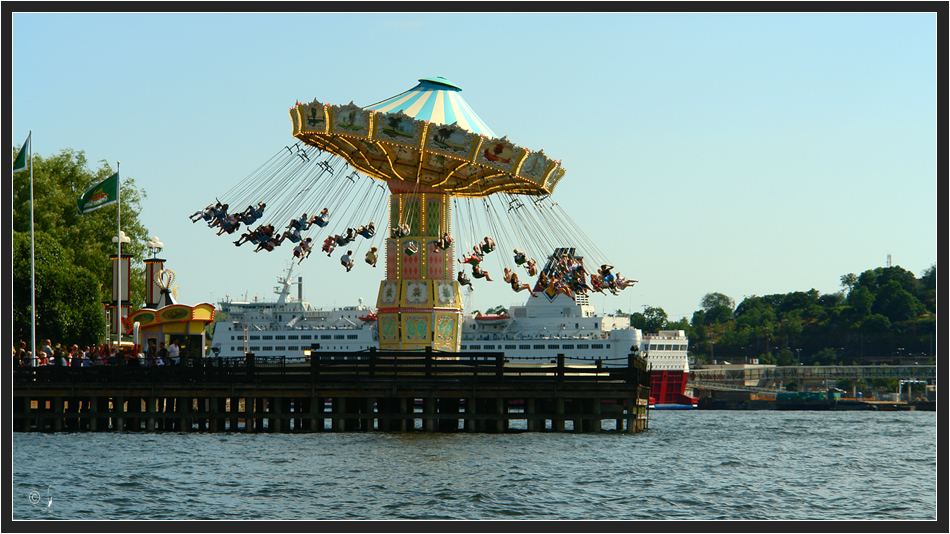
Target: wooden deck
<point x="367" y="391"/>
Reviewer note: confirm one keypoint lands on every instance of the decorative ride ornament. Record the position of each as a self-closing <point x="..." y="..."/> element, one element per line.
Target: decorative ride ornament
<point x="165" y="278"/>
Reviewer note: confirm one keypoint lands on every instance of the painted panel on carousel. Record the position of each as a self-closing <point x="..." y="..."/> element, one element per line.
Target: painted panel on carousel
<point x="416" y="327"/>
<point x="437" y="260"/>
<point x="313" y="117"/>
<point x="554" y="177"/>
<point x="411" y="259"/>
<point x="412" y="211"/>
<point x="392" y="259"/>
<point x="435" y="224"/>
<point x="430" y="178"/>
<point x="417" y="293"/>
<point x="447" y="294"/>
<point x="451" y="140"/>
<point x="446" y="328"/>
<point x="349" y="120"/>
<point x="399" y="128"/>
<point x="535" y="166"/>
<point x="388" y="327"/>
<point x="500" y="153"/>
<point x="388" y="294"/>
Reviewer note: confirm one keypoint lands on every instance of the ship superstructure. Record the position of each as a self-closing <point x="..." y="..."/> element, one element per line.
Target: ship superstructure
<point x="535" y="332"/>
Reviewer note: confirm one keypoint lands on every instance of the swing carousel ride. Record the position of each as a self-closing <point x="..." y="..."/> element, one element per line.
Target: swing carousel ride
<point x="429" y="156"/>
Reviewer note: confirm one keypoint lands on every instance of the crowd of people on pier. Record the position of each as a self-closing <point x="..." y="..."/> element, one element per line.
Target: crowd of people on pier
<point x="65" y="355"/>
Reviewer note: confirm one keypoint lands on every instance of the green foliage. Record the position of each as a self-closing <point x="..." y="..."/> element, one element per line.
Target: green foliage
<point x="716" y="308"/>
<point x="68" y="307"/>
<point x="860" y="300"/>
<point x="878" y="311"/>
<point x="849" y="281"/>
<point x="896" y="303"/>
<point x="826" y="356"/>
<point x="655" y="319"/>
<point x="682" y="324"/>
<point x="875" y="324"/>
<point x="58" y="181"/>
<point x="889" y="384"/>
<point x="786" y="358"/>
<point x="73" y="269"/>
<point x="637" y="320"/>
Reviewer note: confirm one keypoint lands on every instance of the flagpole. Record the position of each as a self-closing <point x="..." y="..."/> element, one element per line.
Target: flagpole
<point x="118" y="235"/>
<point x="32" y="262"/>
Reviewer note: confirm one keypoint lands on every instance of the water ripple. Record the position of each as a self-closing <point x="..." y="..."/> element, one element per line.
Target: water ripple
<point x="690" y="465"/>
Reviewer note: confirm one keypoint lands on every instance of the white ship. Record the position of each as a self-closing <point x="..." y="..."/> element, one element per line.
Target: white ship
<point x="548" y="326"/>
<point x="290" y="327"/>
<point x="536" y="332"/>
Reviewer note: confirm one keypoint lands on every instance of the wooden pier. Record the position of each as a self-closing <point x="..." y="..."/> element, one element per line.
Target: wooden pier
<point x="334" y="392"/>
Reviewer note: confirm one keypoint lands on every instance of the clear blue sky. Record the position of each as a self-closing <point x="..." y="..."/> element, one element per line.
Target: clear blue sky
<point x="747" y="154"/>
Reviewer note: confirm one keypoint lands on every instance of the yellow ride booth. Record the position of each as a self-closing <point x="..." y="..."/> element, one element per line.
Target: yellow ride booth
<point x="165" y="320"/>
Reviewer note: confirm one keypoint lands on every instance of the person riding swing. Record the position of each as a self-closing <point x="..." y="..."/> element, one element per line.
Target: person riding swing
<point x="464" y="281"/>
<point x="532" y="267"/>
<point x="477" y="272"/>
<point x="443" y="242"/>
<point x="512" y="278"/>
<point x="321" y="219"/>
<point x="302" y="250"/>
<point x="487" y="245"/>
<point x="367" y="231"/>
<point x="372" y="256"/>
<point x="520" y="258"/>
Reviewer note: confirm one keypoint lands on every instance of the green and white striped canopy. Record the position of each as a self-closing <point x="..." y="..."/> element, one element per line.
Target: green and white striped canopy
<point x="438" y="101"/>
<point x="427" y="137"/>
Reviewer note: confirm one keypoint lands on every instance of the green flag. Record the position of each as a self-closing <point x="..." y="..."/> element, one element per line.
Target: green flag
<point x="20" y="163"/>
<point x="102" y="194"/>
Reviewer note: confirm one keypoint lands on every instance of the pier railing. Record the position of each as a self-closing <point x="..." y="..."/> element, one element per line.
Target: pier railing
<point x="335" y="392"/>
<point x="334" y="367"/>
<point x="773" y="377"/>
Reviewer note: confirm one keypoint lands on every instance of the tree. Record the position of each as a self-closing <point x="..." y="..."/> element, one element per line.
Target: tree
<point x="826" y="356"/>
<point x="68" y="308"/>
<point x="875" y="324"/>
<point x="655" y="319"/>
<point x="699" y="318"/>
<point x="849" y="281"/>
<point x="785" y="357"/>
<point x="860" y="300"/>
<point x="895" y="303"/>
<point x="875" y="279"/>
<point x="682" y="324"/>
<point x="73" y="269"/>
<point x="928" y="287"/>
<point x="637" y="320"/>
<point x="718" y="308"/>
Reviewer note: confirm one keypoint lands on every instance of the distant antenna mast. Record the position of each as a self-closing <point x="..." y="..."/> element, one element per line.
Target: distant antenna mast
<point x="888" y="260"/>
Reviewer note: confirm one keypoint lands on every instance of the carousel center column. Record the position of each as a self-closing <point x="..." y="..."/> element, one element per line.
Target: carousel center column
<point x="419" y="304"/>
